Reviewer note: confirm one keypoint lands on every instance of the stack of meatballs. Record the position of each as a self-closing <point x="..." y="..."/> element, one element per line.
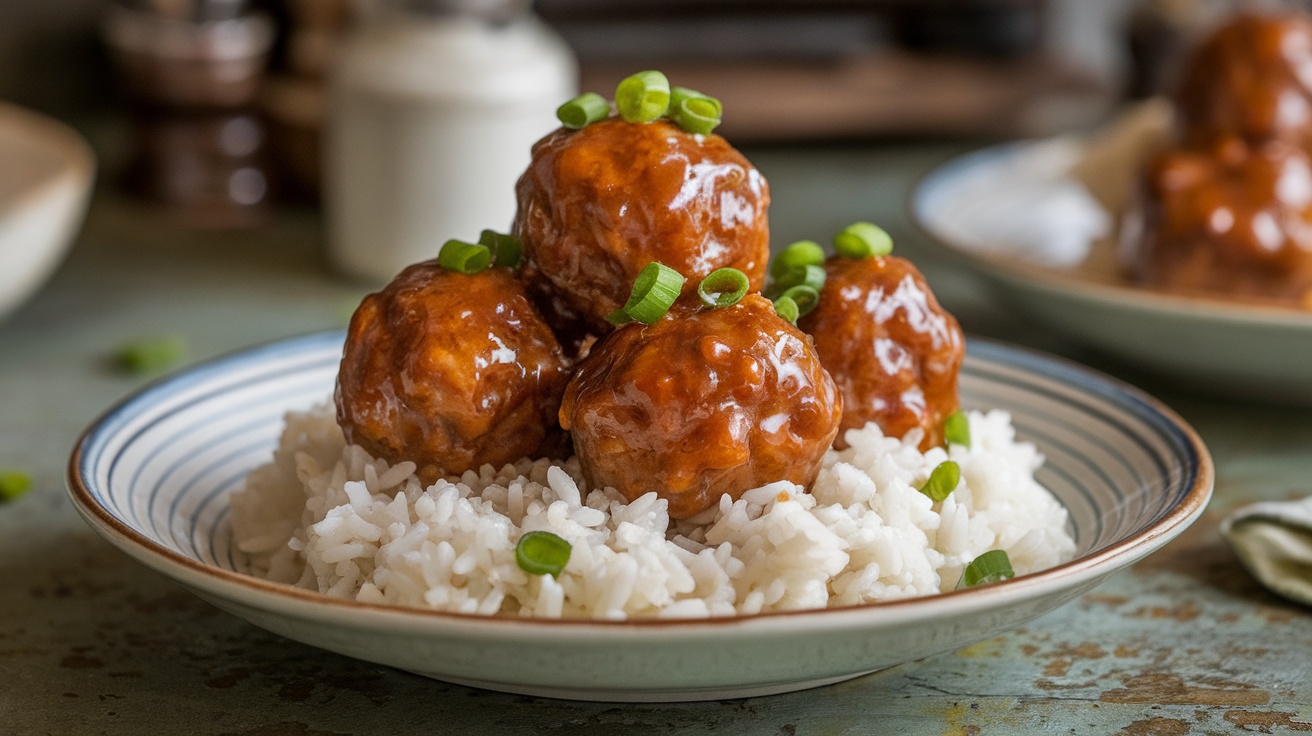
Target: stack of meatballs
<point x="456" y="370"/>
<point x="1228" y="207"/>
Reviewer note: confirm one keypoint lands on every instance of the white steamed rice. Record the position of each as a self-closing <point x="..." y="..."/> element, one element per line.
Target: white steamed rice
<point x="329" y="517"/>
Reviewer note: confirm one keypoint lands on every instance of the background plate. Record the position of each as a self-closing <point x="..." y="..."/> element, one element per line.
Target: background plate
<point x="1219" y="346"/>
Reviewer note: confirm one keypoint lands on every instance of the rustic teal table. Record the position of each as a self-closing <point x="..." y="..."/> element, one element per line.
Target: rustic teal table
<point x="91" y="642"/>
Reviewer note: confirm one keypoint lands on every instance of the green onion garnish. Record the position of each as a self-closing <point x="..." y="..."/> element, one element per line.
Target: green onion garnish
<point x="991" y="567"/>
<point x="583" y="110"/>
<point x="942" y="481"/>
<point x="698" y="115"/>
<point x="542" y="553"/>
<point x="812" y="276"/>
<point x="654" y="292"/>
<point x="863" y="240"/>
<point x="619" y="317"/>
<point x="150" y="354"/>
<point x="457" y="255"/>
<point x="723" y="287"/>
<point x="679" y="95"/>
<point x="14" y="483"/>
<point x="956" y="429"/>
<point x="798" y="255"/>
<point x="506" y="249"/>
<point x="805" y="297"/>
<point x="787" y="308"/>
<point x="643" y="97"/>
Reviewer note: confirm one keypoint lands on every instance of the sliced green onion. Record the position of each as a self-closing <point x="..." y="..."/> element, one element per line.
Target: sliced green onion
<point x="542" y="553"/>
<point x="698" y="115"/>
<point x="863" y="240"/>
<point x="679" y="95"/>
<point x="506" y="249"/>
<point x="798" y="255"/>
<point x="787" y="308"/>
<point x="803" y="296"/>
<point x="654" y="292"/>
<point x="643" y="97"/>
<point x="457" y="255"/>
<point x="723" y="287"/>
<point x="14" y="483"/>
<point x="812" y="276"/>
<point x="150" y="354"/>
<point x="583" y="110"/>
<point x="956" y="429"/>
<point x="991" y="567"/>
<point x="942" y="481"/>
<point x="619" y="317"/>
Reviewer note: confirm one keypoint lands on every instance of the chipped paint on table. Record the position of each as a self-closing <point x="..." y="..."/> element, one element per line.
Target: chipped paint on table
<point x="91" y="642"/>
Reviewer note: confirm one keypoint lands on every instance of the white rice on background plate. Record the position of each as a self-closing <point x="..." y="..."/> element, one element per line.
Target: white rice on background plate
<point x="329" y="517"/>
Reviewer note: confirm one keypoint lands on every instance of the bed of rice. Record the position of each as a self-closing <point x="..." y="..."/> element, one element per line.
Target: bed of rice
<point x="329" y="517"/>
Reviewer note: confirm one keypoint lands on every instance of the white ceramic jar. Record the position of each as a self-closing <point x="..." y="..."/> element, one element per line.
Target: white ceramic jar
<point x="432" y="114"/>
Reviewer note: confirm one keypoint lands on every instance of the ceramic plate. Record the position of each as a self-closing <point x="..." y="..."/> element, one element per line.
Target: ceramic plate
<point x="1220" y="346"/>
<point x="154" y="473"/>
<point x="45" y="180"/>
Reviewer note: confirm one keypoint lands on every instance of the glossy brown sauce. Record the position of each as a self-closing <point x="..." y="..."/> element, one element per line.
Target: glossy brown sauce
<point x="702" y="403"/>
<point x="597" y="205"/>
<point x="451" y="371"/>
<point x="1228" y="208"/>
<point x="893" y="352"/>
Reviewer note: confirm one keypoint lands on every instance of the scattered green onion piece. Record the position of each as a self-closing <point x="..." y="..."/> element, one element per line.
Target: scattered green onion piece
<point x="150" y="354"/>
<point x="506" y="249"/>
<point x="942" y="481"/>
<point x="457" y="255"/>
<point x="787" y="308"/>
<point x="698" y="115"/>
<point x="956" y="429"/>
<point x="863" y="240"/>
<point x="643" y="97"/>
<point x="723" y="287"/>
<point x="805" y="297"/>
<point x="542" y="553"/>
<point x="991" y="567"/>
<point x="798" y="255"/>
<point x="583" y="111"/>
<point x="811" y="276"/>
<point x="654" y="292"/>
<point x="14" y="483"/>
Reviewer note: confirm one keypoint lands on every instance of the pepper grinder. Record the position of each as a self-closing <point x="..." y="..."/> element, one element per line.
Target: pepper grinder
<point x="433" y="107"/>
<point x="191" y="70"/>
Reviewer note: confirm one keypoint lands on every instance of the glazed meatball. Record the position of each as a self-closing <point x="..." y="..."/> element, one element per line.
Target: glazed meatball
<point x="892" y="350"/>
<point x="598" y="204"/>
<point x="700" y="404"/>
<point x="1252" y="79"/>
<point x="1227" y="208"/>
<point x="452" y="371"/>
<point x="1234" y="219"/>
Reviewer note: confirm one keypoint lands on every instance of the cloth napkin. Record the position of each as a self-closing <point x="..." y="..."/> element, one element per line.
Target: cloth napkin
<point x="1274" y="541"/>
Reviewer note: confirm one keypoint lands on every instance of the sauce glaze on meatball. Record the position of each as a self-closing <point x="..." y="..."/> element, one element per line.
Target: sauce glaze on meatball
<point x="892" y="350"/>
<point x="700" y="404"/>
<point x="1252" y="79"/>
<point x="451" y="371"/>
<point x="598" y="204"/>
<point x="1235" y="219"/>
<point x="1228" y="208"/>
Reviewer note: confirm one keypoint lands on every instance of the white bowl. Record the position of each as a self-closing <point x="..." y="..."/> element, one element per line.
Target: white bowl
<point x="1218" y="345"/>
<point x="46" y="170"/>
<point x="153" y="475"/>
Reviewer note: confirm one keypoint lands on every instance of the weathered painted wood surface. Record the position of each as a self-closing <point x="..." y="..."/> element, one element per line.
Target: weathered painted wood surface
<point x="91" y="642"/>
